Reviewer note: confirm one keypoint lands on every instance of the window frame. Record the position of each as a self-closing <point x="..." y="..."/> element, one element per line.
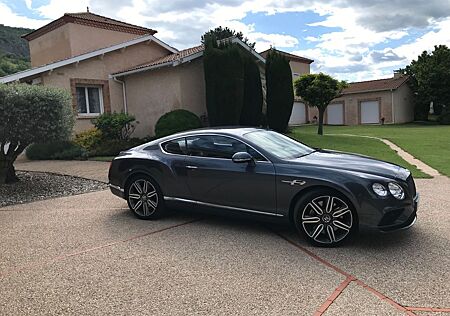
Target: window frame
<point x="211" y="134"/>
<point x="86" y="95"/>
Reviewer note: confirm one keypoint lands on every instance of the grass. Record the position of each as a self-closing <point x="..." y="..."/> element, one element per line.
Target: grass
<point x="360" y="145"/>
<point x="429" y="143"/>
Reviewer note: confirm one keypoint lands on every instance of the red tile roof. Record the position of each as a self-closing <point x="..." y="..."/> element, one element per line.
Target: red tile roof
<point x="376" y="85"/>
<point x="179" y="56"/>
<point x="288" y="55"/>
<point x="91" y="19"/>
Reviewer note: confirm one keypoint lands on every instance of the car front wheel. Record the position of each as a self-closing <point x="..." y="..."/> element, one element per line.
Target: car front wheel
<point x="325" y="218"/>
<point x="145" y="198"/>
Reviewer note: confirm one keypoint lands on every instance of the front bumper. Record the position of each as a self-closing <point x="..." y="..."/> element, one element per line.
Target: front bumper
<point x="401" y="218"/>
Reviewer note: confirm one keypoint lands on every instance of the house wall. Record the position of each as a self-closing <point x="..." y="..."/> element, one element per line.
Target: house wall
<point x="151" y="94"/>
<point x="352" y="106"/>
<point x="97" y="38"/>
<point x="404" y="104"/>
<point x="299" y="68"/>
<point x="192" y="85"/>
<point x="71" y="40"/>
<point x="52" y="46"/>
<point x="99" y="68"/>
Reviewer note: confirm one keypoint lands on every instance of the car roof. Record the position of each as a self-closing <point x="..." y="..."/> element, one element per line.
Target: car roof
<point x="228" y="130"/>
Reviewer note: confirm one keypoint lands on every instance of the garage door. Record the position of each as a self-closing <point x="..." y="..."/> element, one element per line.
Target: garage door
<point x="370" y="112"/>
<point x="298" y="115"/>
<point x="335" y="114"/>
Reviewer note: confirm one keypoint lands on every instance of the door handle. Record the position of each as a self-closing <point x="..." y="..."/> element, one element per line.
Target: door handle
<point x="191" y="167"/>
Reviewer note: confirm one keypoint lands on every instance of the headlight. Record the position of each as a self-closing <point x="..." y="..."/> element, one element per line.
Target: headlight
<point x="396" y="191"/>
<point x="379" y="189"/>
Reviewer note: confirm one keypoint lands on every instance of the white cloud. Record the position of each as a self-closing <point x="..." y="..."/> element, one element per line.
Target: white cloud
<point x="11" y="18"/>
<point x="56" y="8"/>
<point x="348" y="52"/>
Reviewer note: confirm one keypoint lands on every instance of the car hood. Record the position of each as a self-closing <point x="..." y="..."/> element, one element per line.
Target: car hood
<point x="352" y="162"/>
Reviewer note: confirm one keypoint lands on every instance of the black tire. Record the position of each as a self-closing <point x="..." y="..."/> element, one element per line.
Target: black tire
<point x="145" y="198"/>
<point x="322" y="223"/>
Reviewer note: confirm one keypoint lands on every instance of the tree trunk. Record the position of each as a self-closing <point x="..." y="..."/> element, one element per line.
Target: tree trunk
<point x="320" y="129"/>
<point x="7" y="172"/>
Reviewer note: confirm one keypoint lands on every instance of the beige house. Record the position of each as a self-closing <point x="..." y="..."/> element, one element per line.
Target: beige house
<point x="109" y="65"/>
<point x="386" y="101"/>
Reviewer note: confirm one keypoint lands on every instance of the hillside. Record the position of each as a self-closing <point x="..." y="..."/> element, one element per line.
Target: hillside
<point x="14" y="52"/>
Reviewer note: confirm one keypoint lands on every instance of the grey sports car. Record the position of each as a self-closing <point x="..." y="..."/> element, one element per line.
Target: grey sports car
<point x="327" y="195"/>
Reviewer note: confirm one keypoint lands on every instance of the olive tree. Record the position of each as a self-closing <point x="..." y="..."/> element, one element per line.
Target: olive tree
<point x="30" y="114"/>
<point x="318" y="90"/>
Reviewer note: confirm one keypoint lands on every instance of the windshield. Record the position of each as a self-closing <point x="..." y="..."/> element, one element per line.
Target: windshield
<point x="278" y="145"/>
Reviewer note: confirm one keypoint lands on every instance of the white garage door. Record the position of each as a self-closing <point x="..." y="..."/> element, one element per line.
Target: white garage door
<point x="298" y="115"/>
<point x="335" y="114"/>
<point x="370" y="112"/>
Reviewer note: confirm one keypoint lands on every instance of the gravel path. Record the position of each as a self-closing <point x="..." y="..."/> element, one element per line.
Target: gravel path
<point x="34" y="186"/>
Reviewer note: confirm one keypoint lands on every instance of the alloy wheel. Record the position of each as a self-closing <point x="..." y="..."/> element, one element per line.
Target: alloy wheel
<point x="143" y="197"/>
<point x="327" y="219"/>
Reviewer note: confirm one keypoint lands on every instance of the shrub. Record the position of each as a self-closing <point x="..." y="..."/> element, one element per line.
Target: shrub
<point x="115" y="125"/>
<point x="176" y="121"/>
<point x="444" y="118"/>
<point x="89" y="138"/>
<point x="280" y="91"/>
<point x="112" y="147"/>
<point x="28" y="114"/>
<point x="55" y="150"/>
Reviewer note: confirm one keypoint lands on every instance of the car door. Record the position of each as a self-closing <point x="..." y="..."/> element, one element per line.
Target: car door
<point x="213" y="178"/>
<point x="174" y="178"/>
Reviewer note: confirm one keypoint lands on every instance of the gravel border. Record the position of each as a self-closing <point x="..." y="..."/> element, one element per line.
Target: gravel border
<point x="36" y="186"/>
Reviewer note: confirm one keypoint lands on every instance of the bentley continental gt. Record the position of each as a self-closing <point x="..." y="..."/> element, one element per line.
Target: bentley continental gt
<point x="326" y="195"/>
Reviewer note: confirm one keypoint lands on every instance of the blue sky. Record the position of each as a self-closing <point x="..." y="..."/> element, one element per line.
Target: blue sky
<point x="349" y="39"/>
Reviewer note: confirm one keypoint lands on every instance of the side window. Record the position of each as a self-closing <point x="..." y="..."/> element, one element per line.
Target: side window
<point x="175" y="146"/>
<point x="218" y="147"/>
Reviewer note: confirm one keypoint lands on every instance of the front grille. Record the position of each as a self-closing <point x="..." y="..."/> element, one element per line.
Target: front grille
<point x="411" y="186"/>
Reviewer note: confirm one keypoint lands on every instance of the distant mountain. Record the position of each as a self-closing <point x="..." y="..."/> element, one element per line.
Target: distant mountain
<point x="14" y="51"/>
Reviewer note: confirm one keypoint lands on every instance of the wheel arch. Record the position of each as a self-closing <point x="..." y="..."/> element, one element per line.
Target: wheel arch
<point x="317" y="187"/>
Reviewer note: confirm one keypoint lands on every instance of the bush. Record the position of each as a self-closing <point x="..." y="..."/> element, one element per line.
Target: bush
<point x="176" y="121"/>
<point x="112" y="147"/>
<point x="115" y="125"/>
<point x="28" y="114"/>
<point x="88" y="139"/>
<point x="55" y="150"/>
<point x="444" y="118"/>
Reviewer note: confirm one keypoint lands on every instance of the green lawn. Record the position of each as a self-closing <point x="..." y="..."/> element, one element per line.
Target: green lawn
<point x="367" y="146"/>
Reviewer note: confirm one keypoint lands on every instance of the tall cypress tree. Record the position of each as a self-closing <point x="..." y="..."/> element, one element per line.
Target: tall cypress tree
<point x="280" y="91"/>
<point x="253" y="98"/>
<point x="224" y="80"/>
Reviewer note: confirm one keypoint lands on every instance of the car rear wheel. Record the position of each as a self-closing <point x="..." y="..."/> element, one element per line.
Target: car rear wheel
<point x="325" y="218"/>
<point x="145" y="198"/>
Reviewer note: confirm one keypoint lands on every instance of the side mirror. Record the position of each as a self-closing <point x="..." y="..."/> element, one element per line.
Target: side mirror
<point x="242" y="157"/>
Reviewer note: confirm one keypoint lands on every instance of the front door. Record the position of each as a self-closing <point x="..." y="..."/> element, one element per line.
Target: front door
<point x="214" y="179"/>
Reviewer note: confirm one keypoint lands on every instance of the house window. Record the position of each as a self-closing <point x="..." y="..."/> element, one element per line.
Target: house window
<point x="89" y="100"/>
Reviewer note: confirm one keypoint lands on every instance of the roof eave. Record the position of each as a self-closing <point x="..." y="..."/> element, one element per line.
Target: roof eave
<point x="38" y="70"/>
<point x="153" y="67"/>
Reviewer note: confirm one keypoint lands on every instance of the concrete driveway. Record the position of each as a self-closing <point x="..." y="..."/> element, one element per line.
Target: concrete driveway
<point x="87" y="255"/>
